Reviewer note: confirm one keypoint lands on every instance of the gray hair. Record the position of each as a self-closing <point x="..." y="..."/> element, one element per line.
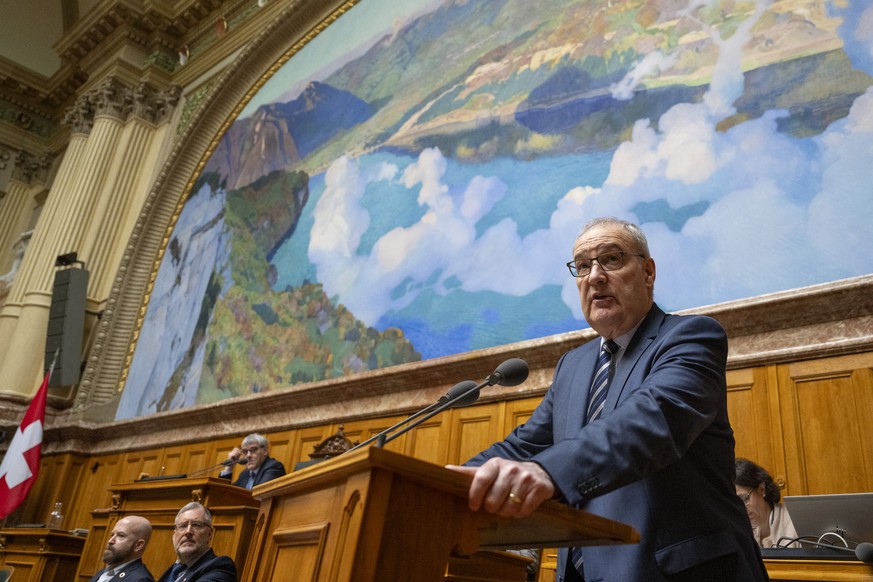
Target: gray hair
<point x="632" y="229"/>
<point x="256" y="439"/>
<point x="207" y="515"/>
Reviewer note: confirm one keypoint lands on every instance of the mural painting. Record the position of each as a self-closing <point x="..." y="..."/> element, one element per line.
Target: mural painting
<point x="409" y="184"/>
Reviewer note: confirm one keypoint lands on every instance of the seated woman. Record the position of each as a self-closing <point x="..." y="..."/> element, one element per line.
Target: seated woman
<point x="770" y="520"/>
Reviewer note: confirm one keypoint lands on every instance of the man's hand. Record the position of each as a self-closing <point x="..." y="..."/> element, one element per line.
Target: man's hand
<point x="507" y="488"/>
<point x="234" y="455"/>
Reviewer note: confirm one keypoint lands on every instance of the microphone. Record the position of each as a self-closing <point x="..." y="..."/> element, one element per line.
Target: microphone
<point x="462" y="394"/>
<point x="864" y="552"/>
<point x="459" y="389"/>
<point x="512" y="372"/>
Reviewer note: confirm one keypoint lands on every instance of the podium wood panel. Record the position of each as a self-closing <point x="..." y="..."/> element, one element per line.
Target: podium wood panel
<point x="233" y="517"/>
<point x="40" y="554"/>
<point x="378" y="515"/>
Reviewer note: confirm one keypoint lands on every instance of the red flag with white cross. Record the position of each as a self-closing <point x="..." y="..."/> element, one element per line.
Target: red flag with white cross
<point x="20" y="466"/>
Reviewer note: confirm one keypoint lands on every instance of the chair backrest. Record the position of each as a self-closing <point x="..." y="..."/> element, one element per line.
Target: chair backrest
<point x="6" y="573"/>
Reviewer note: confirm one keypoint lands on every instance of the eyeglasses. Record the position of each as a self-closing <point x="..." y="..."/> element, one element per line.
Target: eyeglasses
<point x="745" y="497"/>
<point x="252" y="450"/>
<point x="194" y="525"/>
<point x="613" y="261"/>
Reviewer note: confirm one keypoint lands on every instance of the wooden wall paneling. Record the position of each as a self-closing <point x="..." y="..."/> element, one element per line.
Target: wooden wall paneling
<point x="75" y="514"/>
<point x="185" y="459"/>
<point x="305" y="441"/>
<point x="474" y="429"/>
<point x="360" y="430"/>
<point x="518" y="412"/>
<point x="748" y="410"/>
<point x="281" y="444"/>
<point x="429" y="441"/>
<point x="863" y="379"/>
<point x="53" y="484"/>
<point x="741" y="412"/>
<point x="137" y="463"/>
<point x="828" y="400"/>
<point x="97" y="477"/>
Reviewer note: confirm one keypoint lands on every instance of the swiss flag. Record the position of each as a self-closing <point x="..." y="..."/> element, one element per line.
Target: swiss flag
<point x="21" y="464"/>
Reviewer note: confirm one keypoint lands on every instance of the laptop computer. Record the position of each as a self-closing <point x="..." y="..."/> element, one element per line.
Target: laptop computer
<point x="832" y="519"/>
<point x="831" y="527"/>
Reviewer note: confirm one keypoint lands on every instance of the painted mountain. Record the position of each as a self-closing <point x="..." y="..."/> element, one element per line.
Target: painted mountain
<point x="546" y="82"/>
<point x="281" y="134"/>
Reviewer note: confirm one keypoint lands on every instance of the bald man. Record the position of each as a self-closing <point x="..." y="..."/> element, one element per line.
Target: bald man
<point x="124" y="550"/>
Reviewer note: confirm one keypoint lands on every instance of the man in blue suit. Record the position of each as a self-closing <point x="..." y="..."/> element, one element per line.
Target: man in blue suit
<point x="124" y="550"/>
<point x="196" y="561"/>
<point x="659" y="452"/>
<point x="260" y="466"/>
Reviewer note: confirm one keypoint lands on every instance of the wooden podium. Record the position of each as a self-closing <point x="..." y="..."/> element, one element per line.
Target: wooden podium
<point x="233" y="516"/>
<point x="40" y="554"/>
<point x="375" y="515"/>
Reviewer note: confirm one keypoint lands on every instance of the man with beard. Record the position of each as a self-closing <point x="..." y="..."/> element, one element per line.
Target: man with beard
<point x="123" y="554"/>
<point x="196" y="561"/>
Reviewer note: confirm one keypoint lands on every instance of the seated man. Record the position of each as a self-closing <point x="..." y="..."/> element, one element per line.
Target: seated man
<point x="123" y="553"/>
<point x="195" y="559"/>
<point x="260" y="467"/>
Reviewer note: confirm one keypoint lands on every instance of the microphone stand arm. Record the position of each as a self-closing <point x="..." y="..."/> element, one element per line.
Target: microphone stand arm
<point x="200" y="472"/>
<point x="381" y="436"/>
<point x="440" y="406"/>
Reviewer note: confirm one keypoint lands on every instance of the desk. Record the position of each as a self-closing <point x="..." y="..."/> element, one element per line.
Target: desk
<point x="39" y="554"/>
<point x="374" y="515"/>
<point x="822" y="570"/>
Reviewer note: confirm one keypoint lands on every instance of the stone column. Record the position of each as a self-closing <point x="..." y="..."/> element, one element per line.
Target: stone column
<point x="60" y="229"/>
<point x="131" y="174"/>
<point x="16" y="208"/>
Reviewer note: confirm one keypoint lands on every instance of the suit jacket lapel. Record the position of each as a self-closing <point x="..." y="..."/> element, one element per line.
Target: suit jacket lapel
<point x="640" y="342"/>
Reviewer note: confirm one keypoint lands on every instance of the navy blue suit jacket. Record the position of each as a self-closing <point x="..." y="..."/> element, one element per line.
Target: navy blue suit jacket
<point x="269" y="469"/>
<point x="209" y="568"/>
<point x="660" y="457"/>
<point x="134" y="571"/>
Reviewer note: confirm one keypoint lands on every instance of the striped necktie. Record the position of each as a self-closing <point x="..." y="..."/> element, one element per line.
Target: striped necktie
<point x="600" y="385"/>
<point x="176" y="571"/>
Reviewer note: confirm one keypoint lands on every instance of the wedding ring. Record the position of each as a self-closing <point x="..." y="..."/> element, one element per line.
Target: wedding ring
<point x="513" y="498"/>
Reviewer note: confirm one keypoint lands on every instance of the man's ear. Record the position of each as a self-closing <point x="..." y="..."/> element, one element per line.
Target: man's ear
<point x="649" y="267"/>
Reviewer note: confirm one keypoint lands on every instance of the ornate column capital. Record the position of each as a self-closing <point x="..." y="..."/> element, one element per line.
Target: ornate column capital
<point x="150" y="104"/>
<point x="80" y="117"/>
<point x="29" y="168"/>
<point x="111" y="98"/>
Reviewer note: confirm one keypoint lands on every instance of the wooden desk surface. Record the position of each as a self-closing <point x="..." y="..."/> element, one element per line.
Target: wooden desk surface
<point x="821" y="570"/>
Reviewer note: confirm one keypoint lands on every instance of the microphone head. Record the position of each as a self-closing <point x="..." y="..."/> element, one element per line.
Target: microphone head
<point x="864" y="552"/>
<point x="461" y="388"/>
<point x="512" y="372"/>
